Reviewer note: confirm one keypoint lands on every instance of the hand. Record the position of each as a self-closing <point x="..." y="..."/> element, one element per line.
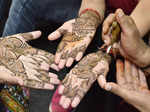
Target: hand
<point x="131" y="45"/>
<point x="27" y="65"/>
<point x="77" y="35"/>
<point x="131" y="85"/>
<point x="81" y="77"/>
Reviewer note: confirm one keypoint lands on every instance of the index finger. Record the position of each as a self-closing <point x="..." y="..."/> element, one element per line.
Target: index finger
<point x="120" y="72"/>
<point x="30" y="35"/>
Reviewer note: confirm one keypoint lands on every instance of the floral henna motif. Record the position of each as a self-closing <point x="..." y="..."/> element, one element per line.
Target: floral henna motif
<point x="83" y="30"/>
<point x="25" y="62"/>
<point x="82" y="76"/>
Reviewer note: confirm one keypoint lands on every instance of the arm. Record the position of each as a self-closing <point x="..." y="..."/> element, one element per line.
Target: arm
<point x="98" y="5"/>
<point x="141" y="17"/>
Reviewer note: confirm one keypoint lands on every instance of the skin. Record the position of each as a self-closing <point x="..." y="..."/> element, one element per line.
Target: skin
<point x="131" y="46"/>
<point x="77" y="33"/>
<point x="131" y="85"/>
<point x="24" y="65"/>
<point x="79" y="80"/>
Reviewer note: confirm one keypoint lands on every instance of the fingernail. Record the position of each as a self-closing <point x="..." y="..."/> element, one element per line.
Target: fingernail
<point x="75" y="102"/>
<point x="120" y="14"/>
<point x="108" y="87"/>
<point x="105" y="41"/>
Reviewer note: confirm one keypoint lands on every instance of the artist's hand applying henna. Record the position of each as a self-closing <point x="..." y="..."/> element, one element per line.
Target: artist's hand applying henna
<point x="77" y="35"/>
<point x="131" y="45"/>
<point x="81" y="77"/>
<point x="26" y="65"/>
<point x="131" y="85"/>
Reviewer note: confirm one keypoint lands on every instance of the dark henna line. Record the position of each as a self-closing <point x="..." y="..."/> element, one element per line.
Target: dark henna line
<point x="11" y="50"/>
<point x="74" y="52"/>
<point x="84" y="74"/>
<point x="30" y="51"/>
<point x="33" y="83"/>
<point x="27" y="36"/>
<point x="61" y="46"/>
<point x="44" y="78"/>
<point x="82" y="27"/>
<point x="62" y="31"/>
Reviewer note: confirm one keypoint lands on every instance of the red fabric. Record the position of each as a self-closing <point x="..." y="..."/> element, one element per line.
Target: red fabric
<point x="126" y="5"/>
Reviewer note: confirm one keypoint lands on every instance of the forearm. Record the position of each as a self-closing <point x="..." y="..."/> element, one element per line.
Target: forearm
<point x="98" y="5"/>
<point x="141" y="16"/>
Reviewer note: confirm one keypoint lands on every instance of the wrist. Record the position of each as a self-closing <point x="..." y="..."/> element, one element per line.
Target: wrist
<point x="92" y="14"/>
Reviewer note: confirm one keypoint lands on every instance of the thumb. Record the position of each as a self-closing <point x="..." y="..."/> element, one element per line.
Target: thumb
<point x="31" y="35"/>
<point x="57" y="34"/>
<point x="126" y="22"/>
<point x="118" y="90"/>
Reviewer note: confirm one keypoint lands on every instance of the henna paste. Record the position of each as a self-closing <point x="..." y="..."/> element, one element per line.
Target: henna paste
<point x="24" y="61"/>
<point x="83" y="30"/>
<point x="82" y="76"/>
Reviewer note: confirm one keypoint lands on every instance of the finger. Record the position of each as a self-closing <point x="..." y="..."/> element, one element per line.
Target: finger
<point x="135" y="76"/>
<point x="120" y="72"/>
<point x="127" y="24"/>
<point x="52" y="75"/>
<point x="116" y="46"/>
<point x="44" y="66"/>
<point x="66" y="27"/>
<point x="108" y="21"/>
<point x="61" y="89"/>
<point x="106" y="39"/>
<point x="118" y="90"/>
<point x="69" y="62"/>
<point x="57" y="58"/>
<point x="106" y="26"/>
<point x="55" y="67"/>
<point x="75" y="102"/>
<point x="57" y="34"/>
<point x="66" y="103"/>
<point x="101" y="81"/>
<point x="44" y="76"/>
<point x="54" y="80"/>
<point x="79" y="56"/>
<point x="128" y="71"/>
<point x="101" y="68"/>
<point x="62" y="99"/>
<point x="31" y="35"/>
<point x="62" y="63"/>
<point x="142" y="78"/>
<point x="35" y="84"/>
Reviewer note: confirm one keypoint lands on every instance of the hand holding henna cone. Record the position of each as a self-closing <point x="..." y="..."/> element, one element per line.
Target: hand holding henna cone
<point x="28" y="65"/>
<point x="82" y="76"/>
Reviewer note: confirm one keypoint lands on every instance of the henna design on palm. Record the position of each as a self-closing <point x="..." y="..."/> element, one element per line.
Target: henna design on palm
<point x="28" y="65"/>
<point x="81" y="77"/>
<point x="77" y="35"/>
